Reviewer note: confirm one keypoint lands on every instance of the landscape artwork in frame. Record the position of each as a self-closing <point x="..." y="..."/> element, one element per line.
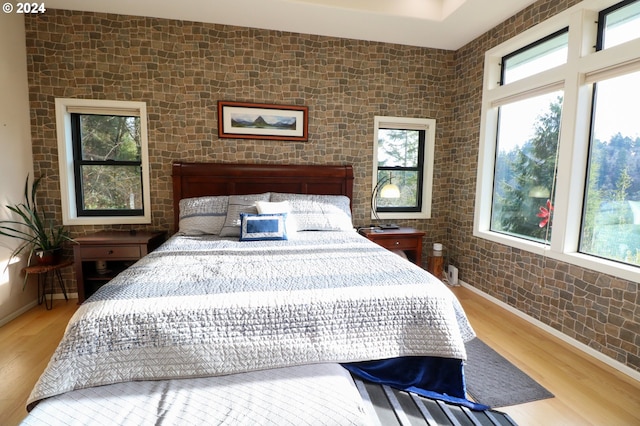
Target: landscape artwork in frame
<point x="262" y="121"/>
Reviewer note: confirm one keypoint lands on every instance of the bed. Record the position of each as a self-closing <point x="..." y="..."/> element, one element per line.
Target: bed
<point x="265" y="293"/>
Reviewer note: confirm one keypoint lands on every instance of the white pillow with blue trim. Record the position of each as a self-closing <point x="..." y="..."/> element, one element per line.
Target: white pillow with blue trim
<point x="259" y="227"/>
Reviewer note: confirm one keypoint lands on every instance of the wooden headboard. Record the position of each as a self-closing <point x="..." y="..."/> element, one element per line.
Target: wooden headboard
<point x="200" y="179"/>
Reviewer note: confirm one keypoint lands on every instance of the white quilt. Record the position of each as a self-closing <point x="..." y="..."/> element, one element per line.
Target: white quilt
<point x="201" y="306"/>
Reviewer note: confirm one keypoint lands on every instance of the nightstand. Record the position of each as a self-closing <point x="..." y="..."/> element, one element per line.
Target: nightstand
<point x="408" y="240"/>
<point x="119" y="249"/>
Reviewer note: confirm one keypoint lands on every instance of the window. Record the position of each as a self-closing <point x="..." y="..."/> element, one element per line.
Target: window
<point x="559" y="159"/>
<point x="540" y="56"/>
<point x="403" y="156"/>
<point x="611" y="218"/>
<point x="524" y="177"/>
<point x="618" y="24"/>
<point x="104" y="161"/>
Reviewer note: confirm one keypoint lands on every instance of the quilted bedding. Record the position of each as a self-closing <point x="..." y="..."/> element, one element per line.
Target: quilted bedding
<point x="318" y="394"/>
<point x="205" y="306"/>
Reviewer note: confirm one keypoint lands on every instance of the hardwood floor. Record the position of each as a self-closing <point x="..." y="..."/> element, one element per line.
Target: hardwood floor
<point x="27" y="344"/>
<point x="587" y="392"/>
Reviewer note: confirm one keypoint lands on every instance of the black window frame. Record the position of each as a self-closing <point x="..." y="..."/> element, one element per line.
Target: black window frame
<point x="602" y="15"/>
<point x="79" y="162"/>
<point x="505" y="58"/>
<point x="419" y="168"/>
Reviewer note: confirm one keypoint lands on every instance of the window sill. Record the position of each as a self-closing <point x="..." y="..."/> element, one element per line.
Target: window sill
<point x="106" y="220"/>
<point x="403" y="215"/>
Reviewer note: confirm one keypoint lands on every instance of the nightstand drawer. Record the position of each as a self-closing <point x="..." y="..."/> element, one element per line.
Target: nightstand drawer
<point x="398" y="243"/>
<point x="113" y="252"/>
<point x="408" y="240"/>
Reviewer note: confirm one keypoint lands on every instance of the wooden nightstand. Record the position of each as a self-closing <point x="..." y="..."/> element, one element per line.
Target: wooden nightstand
<point x="120" y="249"/>
<point x="408" y="240"/>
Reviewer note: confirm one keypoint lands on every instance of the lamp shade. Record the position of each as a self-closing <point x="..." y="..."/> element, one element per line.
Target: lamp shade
<point x="539" y="191"/>
<point x="390" y="190"/>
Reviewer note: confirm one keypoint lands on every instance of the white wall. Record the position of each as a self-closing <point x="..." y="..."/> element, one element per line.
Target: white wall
<point x="16" y="159"/>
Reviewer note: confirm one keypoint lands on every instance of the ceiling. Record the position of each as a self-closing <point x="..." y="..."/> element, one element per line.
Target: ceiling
<point x="443" y="24"/>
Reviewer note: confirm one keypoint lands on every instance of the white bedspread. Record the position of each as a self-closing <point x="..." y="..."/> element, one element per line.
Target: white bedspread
<point x="200" y="307"/>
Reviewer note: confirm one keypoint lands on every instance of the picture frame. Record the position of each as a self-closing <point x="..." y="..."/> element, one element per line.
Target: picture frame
<point x="246" y="120"/>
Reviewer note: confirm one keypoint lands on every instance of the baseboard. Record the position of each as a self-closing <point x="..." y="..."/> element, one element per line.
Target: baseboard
<point x="31" y="305"/>
<point x="627" y="371"/>
<point x="70" y="296"/>
<point x="17" y="313"/>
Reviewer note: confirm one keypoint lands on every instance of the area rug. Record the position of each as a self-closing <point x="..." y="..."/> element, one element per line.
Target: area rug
<point x="494" y="381"/>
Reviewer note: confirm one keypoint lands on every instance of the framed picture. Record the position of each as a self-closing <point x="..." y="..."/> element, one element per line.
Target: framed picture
<point x="262" y="121"/>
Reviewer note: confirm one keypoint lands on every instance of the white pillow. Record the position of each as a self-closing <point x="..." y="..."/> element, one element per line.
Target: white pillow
<point x="270" y="207"/>
<point x="318" y="212"/>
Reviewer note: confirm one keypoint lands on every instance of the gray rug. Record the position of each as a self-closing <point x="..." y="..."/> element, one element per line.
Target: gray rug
<point x="492" y="380"/>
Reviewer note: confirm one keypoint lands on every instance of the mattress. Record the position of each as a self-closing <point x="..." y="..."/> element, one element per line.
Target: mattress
<point x="208" y="306"/>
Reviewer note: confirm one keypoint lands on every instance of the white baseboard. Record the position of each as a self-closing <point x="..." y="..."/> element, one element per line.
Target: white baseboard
<point x="31" y="305"/>
<point x="576" y="344"/>
<point x="70" y="296"/>
<point x="17" y="313"/>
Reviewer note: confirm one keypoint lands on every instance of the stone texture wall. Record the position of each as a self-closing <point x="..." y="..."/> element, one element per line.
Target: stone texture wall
<point x="596" y="309"/>
<point x="181" y="69"/>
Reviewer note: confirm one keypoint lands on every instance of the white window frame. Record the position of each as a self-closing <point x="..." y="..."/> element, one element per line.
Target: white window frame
<point x="64" y="108"/>
<point x="404" y="123"/>
<point x="584" y="66"/>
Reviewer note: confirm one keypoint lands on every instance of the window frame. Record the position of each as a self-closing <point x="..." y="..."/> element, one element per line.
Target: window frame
<point x="576" y="77"/>
<point x="427" y="125"/>
<point x="67" y="163"/>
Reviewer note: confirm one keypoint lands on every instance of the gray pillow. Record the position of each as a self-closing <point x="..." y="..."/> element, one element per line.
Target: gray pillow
<point x="240" y="204"/>
<point x="202" y="215"/>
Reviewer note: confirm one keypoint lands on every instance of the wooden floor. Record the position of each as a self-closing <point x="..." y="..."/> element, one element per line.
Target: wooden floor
<point x="586" y="391"/>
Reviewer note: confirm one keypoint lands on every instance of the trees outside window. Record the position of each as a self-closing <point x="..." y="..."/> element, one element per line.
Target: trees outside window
<point x="611" y="221"/>
<point x="400" y="161"/>
<point x="107" y="158"/>
<point x="526" y="168"/>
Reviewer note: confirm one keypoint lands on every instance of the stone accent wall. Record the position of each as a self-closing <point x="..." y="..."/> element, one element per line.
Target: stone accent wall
<point x="181" y="69"/>
<point x="596" y="309"/>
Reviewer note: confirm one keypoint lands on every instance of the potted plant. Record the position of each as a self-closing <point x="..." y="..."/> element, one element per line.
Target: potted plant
<point x="39" y="234"/>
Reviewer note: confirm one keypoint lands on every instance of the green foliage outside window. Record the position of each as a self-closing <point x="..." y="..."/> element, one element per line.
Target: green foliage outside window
<point x="399" y="160"/>
<point x="110" y="162"/>
<point x="611" y="220"/>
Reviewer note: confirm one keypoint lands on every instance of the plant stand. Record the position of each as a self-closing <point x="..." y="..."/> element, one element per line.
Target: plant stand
<point x="44" y="272"/>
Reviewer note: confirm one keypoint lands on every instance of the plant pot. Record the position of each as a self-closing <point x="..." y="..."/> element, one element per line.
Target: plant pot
<point x="48" y="257"/>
